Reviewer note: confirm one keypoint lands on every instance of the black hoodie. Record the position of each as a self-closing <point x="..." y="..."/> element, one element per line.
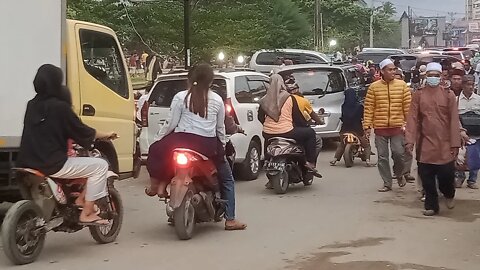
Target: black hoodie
<point x="48" y="124"/>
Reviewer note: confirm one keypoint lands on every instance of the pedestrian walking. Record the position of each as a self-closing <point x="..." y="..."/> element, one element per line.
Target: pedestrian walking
<point x="433" y="126"/>
<point x="386" y="109"/>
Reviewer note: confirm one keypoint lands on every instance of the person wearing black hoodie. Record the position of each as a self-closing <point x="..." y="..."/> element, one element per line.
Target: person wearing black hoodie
<point x="48" y="125"/>
<point x="352" y="115"/>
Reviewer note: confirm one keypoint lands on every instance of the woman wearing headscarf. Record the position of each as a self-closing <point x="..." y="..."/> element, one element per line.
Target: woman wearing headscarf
<point x="48" y="125"/>
<point x="352" y="116"/>
<point x="277" y="112"/>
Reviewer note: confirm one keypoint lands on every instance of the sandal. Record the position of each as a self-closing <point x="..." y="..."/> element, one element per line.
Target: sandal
<point x="313" y="171"/>
<point x="96" y="222"/>
<point x="151" y="191"/>
<point x="237" y="226"/>
<point x="384" y="189"/>
<point x="333" y="163"/>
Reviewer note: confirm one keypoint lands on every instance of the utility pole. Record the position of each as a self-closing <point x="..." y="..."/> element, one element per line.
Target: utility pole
<point x="371" y="25"/>
<point x="315" y="26"/>
<point x="186" y="31"/>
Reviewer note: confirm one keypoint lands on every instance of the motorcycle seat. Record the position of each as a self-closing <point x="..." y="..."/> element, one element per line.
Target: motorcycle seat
<point x="30" y="171"/>
<point x="195" y="153"/>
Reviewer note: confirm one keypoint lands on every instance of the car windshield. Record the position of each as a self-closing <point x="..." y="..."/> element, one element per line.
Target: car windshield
<point x="375" y="57"/>
<point x="164" y="91"/>
<point x="317" y="81"/>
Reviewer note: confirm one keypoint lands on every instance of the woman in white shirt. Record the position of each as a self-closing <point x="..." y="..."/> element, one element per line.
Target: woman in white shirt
<point x="196" y="122"/>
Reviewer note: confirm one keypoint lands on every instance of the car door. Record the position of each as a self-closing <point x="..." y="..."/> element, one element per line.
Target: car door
<point x="106" y="102"/>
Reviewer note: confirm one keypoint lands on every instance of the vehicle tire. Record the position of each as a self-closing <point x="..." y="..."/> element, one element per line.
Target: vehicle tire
<point x="108" y="233"/>
<point x="348" y="156"/>
<point x="137" y="162"/>
<point x="308" y="180"/>
<point x="250" y="168"/>
<point x="20" y="244"/>
<point x="280" y="182"/>
<point x="184" y="218"/>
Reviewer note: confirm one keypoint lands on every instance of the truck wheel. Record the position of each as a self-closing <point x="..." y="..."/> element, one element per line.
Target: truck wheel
<point x="22" y="238"/>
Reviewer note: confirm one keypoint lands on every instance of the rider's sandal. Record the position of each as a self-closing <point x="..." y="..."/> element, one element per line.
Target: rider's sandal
<point x="94" y="222"/>
<point x="150" y="192"/>
<point x="238" y="226"/>
<point x="333" y="163"/>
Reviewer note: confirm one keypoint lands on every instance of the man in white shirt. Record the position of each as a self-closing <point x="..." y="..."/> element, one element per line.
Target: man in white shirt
<point x="468" y="101"/>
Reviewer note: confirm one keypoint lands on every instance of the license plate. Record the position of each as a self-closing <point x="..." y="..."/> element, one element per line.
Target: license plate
<point x="276" y="166"/>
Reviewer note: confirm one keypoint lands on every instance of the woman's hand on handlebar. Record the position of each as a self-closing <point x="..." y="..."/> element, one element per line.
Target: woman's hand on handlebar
<point x="106" y="135"/>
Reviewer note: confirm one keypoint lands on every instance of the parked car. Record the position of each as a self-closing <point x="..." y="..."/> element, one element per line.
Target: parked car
<point x="324" y="86"/>
<point x="244" y="89"/>
<point x="409" y="61"/>
<point x="266" y="60"/>
<point x="377" y="55"/>
<point x="461" y="53"/>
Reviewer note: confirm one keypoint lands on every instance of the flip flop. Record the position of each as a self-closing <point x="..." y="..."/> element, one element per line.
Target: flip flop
<point x="236" y="227"/>
<point x="95" y="207"/>
<point x="94" y="223"/>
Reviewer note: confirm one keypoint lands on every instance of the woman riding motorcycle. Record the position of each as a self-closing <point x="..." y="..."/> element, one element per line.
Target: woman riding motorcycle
<point x="277" y="112"/>
<point x="48" y="125"/>
<point x="196" y="122"/>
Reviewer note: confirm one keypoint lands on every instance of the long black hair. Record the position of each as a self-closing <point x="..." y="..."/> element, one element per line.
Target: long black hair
<point x="199" y="79"/>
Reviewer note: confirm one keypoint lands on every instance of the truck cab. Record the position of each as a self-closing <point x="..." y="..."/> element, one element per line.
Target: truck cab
<point x="95" y="72"/>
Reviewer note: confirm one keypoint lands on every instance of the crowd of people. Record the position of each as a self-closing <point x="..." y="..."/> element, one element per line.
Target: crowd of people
<point x="432" y="121"/>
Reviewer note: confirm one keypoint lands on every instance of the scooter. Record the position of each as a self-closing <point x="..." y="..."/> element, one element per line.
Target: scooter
<point x="353" y="149"/>
<point x="49" y="205"/>
<point x="194" y="193"/>
<point x="286" y="164"/>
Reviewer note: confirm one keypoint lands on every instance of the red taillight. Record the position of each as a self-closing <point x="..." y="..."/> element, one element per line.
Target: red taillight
<point x="230" y="110"/>
<point x="144" y="114"/>
<point x="183" y="159"/>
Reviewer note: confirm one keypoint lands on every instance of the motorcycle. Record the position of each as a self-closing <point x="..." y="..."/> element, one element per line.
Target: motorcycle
<point x="353" y="149"/>
<point x="286" y="164"/>
<point x="49" y="205"/>
<point x="194" y="193"/>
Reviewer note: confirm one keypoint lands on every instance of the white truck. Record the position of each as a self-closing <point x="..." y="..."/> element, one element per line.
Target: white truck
<point x="37" y="32"/>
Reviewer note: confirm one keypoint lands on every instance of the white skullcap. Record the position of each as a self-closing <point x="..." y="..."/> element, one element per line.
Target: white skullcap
<point x="423" y="68"/>
<point x="434" y="67"/>
<point x="385" y="63"/>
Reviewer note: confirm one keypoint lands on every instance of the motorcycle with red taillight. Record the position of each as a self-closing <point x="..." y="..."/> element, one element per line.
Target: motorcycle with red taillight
<point x="194" y="193"/>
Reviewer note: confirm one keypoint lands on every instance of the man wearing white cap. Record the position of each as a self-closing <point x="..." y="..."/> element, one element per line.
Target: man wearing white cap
<point x="433" y="126"/>
<point x="386" y="109"/>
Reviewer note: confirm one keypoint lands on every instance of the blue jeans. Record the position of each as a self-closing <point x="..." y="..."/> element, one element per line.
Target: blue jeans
<point x="227" y="188"/>
<point x="472" y="176"/>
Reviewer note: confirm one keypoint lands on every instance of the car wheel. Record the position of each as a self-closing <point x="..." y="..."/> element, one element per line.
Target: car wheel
<point x="251" y="166"/>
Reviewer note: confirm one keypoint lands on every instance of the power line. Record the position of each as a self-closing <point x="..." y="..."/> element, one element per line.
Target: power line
<point x="419" y="8"/>
<point x="135" y="29"/>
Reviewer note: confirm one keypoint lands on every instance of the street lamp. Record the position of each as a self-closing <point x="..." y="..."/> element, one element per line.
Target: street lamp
<point x="240" y="59"/>
<point x="333" y="43"/>
<point x="221" y="56"/>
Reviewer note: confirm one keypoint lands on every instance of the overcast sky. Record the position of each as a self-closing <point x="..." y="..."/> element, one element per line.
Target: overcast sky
<point x="429" y="7"/>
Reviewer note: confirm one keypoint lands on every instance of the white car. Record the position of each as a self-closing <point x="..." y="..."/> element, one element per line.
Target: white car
<point x="243" y="88"/>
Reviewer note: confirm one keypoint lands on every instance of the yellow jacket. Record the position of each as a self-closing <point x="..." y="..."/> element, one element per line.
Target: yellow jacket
<point x="386" y="105"/>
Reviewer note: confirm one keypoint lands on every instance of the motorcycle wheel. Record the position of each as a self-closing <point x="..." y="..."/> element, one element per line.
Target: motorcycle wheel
<point x="184" y="217"/>
<point x="108" y="233"/>
<point x="348" y="155"/>
<point x="280" y="182"/>
<point x="21" y="243"/>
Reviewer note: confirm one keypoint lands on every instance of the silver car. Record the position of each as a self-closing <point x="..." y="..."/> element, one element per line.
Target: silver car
<point x="324" y="86"/>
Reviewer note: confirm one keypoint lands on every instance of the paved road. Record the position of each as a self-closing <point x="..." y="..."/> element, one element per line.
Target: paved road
<point x="339" y="223"/>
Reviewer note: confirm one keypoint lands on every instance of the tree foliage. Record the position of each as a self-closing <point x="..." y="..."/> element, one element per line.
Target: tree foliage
<point x="233" y="26"/>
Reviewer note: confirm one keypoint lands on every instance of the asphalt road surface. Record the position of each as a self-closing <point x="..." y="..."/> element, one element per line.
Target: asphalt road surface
<point x="339" y="223"/>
